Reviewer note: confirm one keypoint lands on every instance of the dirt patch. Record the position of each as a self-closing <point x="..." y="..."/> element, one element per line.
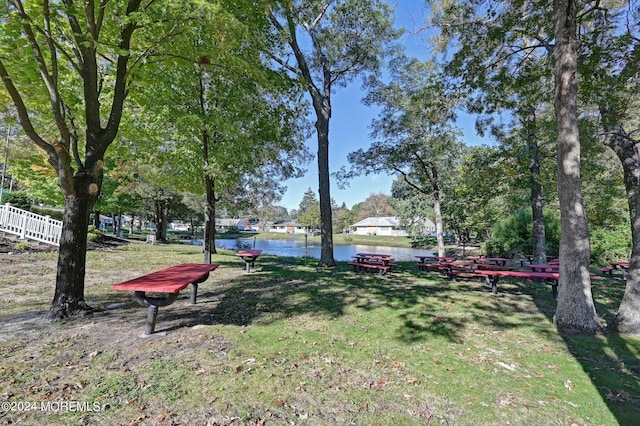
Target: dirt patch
<point x="8" y="245"/>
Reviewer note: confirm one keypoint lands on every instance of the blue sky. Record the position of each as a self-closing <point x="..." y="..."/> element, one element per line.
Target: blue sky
<point x="349" y="127"/>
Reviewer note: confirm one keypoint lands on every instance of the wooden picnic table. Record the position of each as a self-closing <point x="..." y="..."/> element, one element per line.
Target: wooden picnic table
<point x="496" y="260"/>
<point x="623" y="266"/>
<point x="372" y="261"/>
<point x="170" y="281"/>
<point x="430" y="261"/>
<point x="492" y="278"/>
<point x="249" y="257"/>
<point x="549" y="267"/>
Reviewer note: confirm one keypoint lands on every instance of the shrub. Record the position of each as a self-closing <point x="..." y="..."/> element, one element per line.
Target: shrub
<point x="424" y="242"/>
<point x="19" y="200"/>
<point x="610" y="244"/>
<point x="512" y="237"/>
<point x="54" y="214"/>
<point x="93" y="233"/>
<point x="23" y="246"/>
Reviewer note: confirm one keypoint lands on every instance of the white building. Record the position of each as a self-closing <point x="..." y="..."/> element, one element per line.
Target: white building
<point x="388" y="225"/>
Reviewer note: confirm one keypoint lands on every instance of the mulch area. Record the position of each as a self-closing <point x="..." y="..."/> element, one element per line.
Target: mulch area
<point x="8" y="245"/>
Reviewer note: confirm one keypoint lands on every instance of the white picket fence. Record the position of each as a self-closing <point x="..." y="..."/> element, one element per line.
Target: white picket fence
<point x="27" y="225"/>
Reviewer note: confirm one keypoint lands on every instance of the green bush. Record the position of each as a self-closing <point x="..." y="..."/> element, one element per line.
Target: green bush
<point x="93" y="233"/>
<point x="512" y="237"/>
<point x="610" y="244"/>
<point x="54" y="214"/>
<point x="19" y="200"/>
<point x="22" y="246"/>
<point x="424" y="242"/>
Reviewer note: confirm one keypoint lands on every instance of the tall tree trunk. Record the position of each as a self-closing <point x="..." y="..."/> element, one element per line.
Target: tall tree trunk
<point x="628" y="316"/>
<point x="537" y="202"/>
<point x="575" y="311"/>
<point x="68" y="298"/>
<point x="165" y="219"/>
<point x="209" y="182"/>
<point x="162" y="206"/>
<point x="209" y="220"/>
<point x="439" y="226"/>
<point x="323" y="112"/>
<point x="96" y="219"/>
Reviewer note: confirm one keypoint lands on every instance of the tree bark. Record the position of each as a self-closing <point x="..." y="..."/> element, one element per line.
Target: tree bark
<point x="162" y="206"/>
<point x="439" y="225"/>
<point x="537" y="201"/>
<point x="628" y="316"/>
<point x="68" y="298"/>
<point x="326" y="225"/>
<point x="209" y="220"/>
<point x="575" y="311"/>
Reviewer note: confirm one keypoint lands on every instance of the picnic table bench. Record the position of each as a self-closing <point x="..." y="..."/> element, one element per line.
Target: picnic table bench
<point x="492" y="277"/>
<point x="168" y="281"/>
<point x="372" y="261"/>
<point x="426" y="262"/>
<point x="249" y="257"/>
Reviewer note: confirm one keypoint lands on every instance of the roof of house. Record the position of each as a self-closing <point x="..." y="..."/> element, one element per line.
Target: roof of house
<point x="227" y="222"/>
<point x="286" y="222"/>
<point x="387" y="221"/>
<point x="378" y="221"/>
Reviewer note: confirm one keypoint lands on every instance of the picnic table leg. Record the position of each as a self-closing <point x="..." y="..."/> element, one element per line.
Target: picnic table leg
<point x="194" y="288"/>
<point x="194" y="293"/>
<point x="150" y="325"/>
<point x="249" y="263"/>
<point x="554" y="289"/>
<point x="493" y="282"/>
<point x="153" y="303"/>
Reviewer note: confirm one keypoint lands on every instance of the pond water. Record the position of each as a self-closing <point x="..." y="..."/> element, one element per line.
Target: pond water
<point x="296" y="248"/>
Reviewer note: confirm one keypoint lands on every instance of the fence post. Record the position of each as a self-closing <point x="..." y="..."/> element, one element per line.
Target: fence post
<point x="23" y="226"/>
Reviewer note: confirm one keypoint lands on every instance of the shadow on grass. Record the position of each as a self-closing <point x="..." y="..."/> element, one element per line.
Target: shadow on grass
<point x="610" y="361"/>
<point x="424" y="304"/>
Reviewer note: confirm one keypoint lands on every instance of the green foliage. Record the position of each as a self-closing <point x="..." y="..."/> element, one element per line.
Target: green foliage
<point x="37" y="179"/>
<point x="310" y="217"/>
<point x="512" y="237"/>
<point x="424" y="242"/>
<point x="93" y="233"/>
<point x="610" y="244"/>
<point x="19" y="200"/>
<point x="53" y="214"/>
<point x="23" y="246"/>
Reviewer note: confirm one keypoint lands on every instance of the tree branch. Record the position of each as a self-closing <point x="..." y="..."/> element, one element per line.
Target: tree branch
<point x="23" y="115"/>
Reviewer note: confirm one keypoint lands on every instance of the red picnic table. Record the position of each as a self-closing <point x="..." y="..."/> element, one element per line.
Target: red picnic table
<point x="492" y="277"/>
<point x="549" y="267"/>
<point x="622" y="266"/>
<point x="249" y="257"/>
<point x="372" y="261"/>
<point x="425" y="262"/>
<point x="496" y="260"/>
<point x="171" y="281"/>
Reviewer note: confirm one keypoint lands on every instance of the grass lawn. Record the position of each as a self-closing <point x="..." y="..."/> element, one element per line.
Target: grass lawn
<point x="294" y="344"/>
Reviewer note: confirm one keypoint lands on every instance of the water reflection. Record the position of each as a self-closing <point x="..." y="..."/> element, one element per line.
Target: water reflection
<point x="296" y="248"/>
